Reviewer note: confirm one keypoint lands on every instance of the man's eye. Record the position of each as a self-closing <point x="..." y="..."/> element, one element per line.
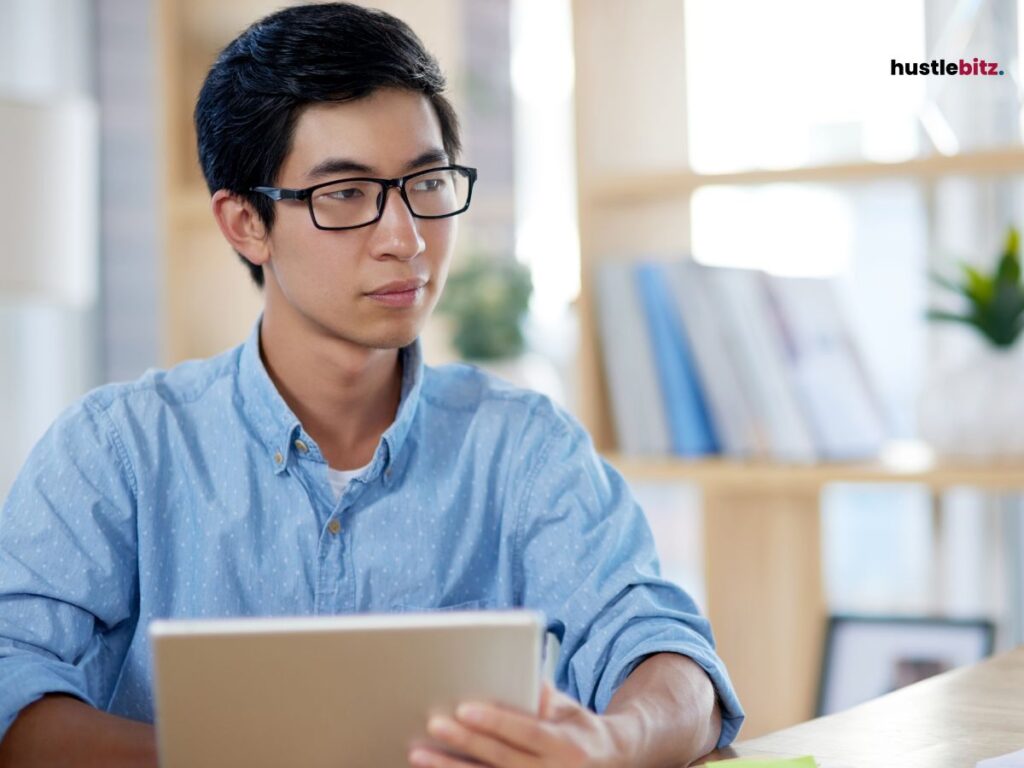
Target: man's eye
<point x="429" y="185"/>
<point x="348" y="193"/>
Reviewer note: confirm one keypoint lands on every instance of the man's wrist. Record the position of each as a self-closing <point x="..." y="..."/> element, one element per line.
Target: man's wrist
<point x="627" y="731"/>
<point x="665" y="713"/>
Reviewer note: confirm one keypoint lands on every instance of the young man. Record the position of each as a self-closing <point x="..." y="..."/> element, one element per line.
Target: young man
<point x="321" y="467"/>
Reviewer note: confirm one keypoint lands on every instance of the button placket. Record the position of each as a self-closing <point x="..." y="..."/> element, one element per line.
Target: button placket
<point x="330" y="567"/>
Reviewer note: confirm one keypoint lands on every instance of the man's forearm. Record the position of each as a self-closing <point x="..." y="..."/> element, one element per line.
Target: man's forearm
<point x="665" y="713"/>
<point x="61" y="730"/>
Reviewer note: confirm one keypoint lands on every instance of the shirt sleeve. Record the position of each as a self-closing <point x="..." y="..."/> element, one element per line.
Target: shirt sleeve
<point x="67" y="565"/>
<point x="588" y="562"/>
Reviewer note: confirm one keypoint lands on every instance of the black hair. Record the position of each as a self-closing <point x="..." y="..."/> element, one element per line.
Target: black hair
<point x="254" y="93"/>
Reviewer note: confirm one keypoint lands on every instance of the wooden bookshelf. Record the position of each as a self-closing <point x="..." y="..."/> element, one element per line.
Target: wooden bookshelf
<point x="763" y="568"/>
<point x="1004" y="475"/>
<point x="762" y="529"/>
<point x="619" y="189"/>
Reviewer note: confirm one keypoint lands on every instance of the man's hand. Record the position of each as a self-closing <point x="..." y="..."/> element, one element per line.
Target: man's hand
<point x="563" y="734"/>
<point x="665" y="713"/>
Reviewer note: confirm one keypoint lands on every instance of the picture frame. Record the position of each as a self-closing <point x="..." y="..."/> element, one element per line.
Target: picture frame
<point x="868" y="656"/>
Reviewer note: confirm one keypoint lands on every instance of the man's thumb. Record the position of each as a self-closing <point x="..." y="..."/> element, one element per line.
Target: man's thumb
<point x="547" y="695"/>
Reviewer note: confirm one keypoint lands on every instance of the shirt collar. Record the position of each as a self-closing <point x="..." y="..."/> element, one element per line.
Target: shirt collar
<point x="280" y="430"/>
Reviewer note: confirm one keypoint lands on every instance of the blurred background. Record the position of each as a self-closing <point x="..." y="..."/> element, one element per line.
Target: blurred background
<point x="679" y="134"/>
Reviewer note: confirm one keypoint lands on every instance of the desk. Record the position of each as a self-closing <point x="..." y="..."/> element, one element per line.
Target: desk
<point x="954" y="719"/>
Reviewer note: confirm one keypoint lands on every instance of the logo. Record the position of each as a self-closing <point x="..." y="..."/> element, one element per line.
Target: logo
<point x="943" y="67"/>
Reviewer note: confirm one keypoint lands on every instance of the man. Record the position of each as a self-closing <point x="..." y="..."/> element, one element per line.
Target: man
<point x="320" y="467"/>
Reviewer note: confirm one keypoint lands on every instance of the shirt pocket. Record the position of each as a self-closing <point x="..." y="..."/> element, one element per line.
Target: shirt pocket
<point x="482" y="604"/>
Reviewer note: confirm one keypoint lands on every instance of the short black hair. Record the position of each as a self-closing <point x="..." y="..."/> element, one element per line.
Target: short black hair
<point x="254" y="93"/>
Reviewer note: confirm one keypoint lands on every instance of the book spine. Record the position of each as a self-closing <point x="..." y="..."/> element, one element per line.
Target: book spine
<point x="690" y="426"/>
<point x="638" y="413"/>
<point x="720" y="382"/>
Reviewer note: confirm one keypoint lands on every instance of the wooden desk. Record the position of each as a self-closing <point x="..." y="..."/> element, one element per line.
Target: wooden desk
<point x="954" y="719"/>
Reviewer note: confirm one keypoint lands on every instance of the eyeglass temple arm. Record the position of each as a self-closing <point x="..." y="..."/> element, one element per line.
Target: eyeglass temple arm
<point x="276" y="193"/>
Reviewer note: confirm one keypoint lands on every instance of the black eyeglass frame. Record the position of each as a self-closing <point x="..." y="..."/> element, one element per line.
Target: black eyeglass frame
<point x="281" y="193"/>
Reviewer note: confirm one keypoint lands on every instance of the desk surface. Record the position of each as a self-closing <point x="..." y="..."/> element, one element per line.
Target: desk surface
<point x="954" y="719"/>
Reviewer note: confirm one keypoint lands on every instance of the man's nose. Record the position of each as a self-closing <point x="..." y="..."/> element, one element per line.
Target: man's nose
<point x="396" y="233"/>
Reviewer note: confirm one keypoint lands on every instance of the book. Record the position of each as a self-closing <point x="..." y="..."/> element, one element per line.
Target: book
<point x="690" y="427"/>
<point x="638" y="413"/>
<point x="844" y="411"/>
<point x="731" y="411"/>
<point x="754" y="338"/>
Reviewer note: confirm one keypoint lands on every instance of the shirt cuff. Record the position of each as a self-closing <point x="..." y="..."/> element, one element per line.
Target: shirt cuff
<point x="27" y="679"/>
<point x="702" y="655"/>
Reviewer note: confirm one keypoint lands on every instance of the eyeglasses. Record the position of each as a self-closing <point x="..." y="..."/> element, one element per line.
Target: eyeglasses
<point x="436" y="193"/>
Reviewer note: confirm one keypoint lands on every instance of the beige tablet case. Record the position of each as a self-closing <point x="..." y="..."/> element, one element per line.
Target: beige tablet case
<point x="331" y="691"/>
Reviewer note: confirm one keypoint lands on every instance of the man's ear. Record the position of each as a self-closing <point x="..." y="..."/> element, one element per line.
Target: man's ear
<point x="241" y="226"/>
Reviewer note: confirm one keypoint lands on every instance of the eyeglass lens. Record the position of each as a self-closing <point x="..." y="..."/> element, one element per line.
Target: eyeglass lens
<point x="353" y="203"/>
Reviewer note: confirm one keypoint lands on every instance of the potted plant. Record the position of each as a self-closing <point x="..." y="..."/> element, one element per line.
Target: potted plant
<point x="487" y="300"/>
<point x="994" y="303"/>
<point x="976" y="408"/>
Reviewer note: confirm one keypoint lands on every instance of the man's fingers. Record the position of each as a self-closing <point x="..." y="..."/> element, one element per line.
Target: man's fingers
<point x="427" y="758"/>
<point x="490" y="749"/>
<point x="525" y="732"/>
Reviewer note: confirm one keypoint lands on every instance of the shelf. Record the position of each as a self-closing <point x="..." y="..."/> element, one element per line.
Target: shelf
<point x="718" y="473"/>
<point x="658" y="184"/>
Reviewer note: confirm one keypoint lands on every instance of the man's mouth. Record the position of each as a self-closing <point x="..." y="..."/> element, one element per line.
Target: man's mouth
<point x="398" y="293"/>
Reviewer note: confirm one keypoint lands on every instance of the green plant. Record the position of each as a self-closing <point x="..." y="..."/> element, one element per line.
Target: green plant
<point x="995" y="301"/>
<point x="487" y="299"/>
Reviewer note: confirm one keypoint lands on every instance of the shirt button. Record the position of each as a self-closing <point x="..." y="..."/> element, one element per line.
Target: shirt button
<point x="278" y="458"/>
<point x="301" y="447"/>
<point x="334" y="526"/>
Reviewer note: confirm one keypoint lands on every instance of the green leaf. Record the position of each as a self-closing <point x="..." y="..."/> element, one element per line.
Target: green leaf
<point x="945" y="282"/>
<point x="1012" y="242"/>
<point x="995" y="301"/>
<point x="1008" y="270"/>
<point x="1002" y="315"/>
<point x="980" y="287"/>
<point x="943" y="316"/>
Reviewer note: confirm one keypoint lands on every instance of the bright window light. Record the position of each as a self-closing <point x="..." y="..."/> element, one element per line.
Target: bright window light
<point x="787" y="229"/>
<point x="547" y="237"/>
<point x="801" y="82"/>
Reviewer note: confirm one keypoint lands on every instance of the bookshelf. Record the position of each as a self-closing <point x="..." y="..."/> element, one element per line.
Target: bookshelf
<point x="615" y="189"/>
<point x="763" y="568"/>
<point x="1002" y="476"/>
<point x="762" y="528"/>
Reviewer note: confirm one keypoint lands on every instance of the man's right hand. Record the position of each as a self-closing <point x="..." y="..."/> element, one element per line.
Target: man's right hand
<point x="63" y="731"/>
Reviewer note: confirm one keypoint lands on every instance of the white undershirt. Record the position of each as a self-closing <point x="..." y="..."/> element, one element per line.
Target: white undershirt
<point x="339" y="479"/>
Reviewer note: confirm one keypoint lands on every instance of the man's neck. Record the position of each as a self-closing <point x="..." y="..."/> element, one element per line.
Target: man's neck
<point x="344" y="395"/>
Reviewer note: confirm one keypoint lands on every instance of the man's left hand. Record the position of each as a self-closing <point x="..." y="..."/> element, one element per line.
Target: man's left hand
<point x="564" y="733"/>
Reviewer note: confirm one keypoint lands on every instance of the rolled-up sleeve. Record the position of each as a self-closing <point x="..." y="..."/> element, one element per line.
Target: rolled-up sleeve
<point x="67" y="565"/>
<point x="588" y="562"/>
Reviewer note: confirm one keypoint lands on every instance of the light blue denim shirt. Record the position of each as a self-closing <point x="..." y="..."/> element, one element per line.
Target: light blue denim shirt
<point x="195" y="492"/>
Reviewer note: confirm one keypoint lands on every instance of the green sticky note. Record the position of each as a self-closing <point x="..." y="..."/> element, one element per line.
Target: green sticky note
<point x="767" y="762"/>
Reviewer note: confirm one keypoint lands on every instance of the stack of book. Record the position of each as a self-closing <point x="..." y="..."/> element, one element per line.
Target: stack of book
<point x="708" y="360"/>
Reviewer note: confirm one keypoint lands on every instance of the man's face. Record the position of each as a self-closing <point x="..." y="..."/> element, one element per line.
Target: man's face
<point x="344" y="282"/>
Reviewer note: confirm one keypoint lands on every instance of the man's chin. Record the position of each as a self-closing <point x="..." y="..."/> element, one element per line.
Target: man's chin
<point x="389" y="338"/>
<point x="377" y="332"/>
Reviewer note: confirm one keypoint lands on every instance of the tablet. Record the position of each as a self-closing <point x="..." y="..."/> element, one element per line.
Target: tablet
<point x="331" y="691"/>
